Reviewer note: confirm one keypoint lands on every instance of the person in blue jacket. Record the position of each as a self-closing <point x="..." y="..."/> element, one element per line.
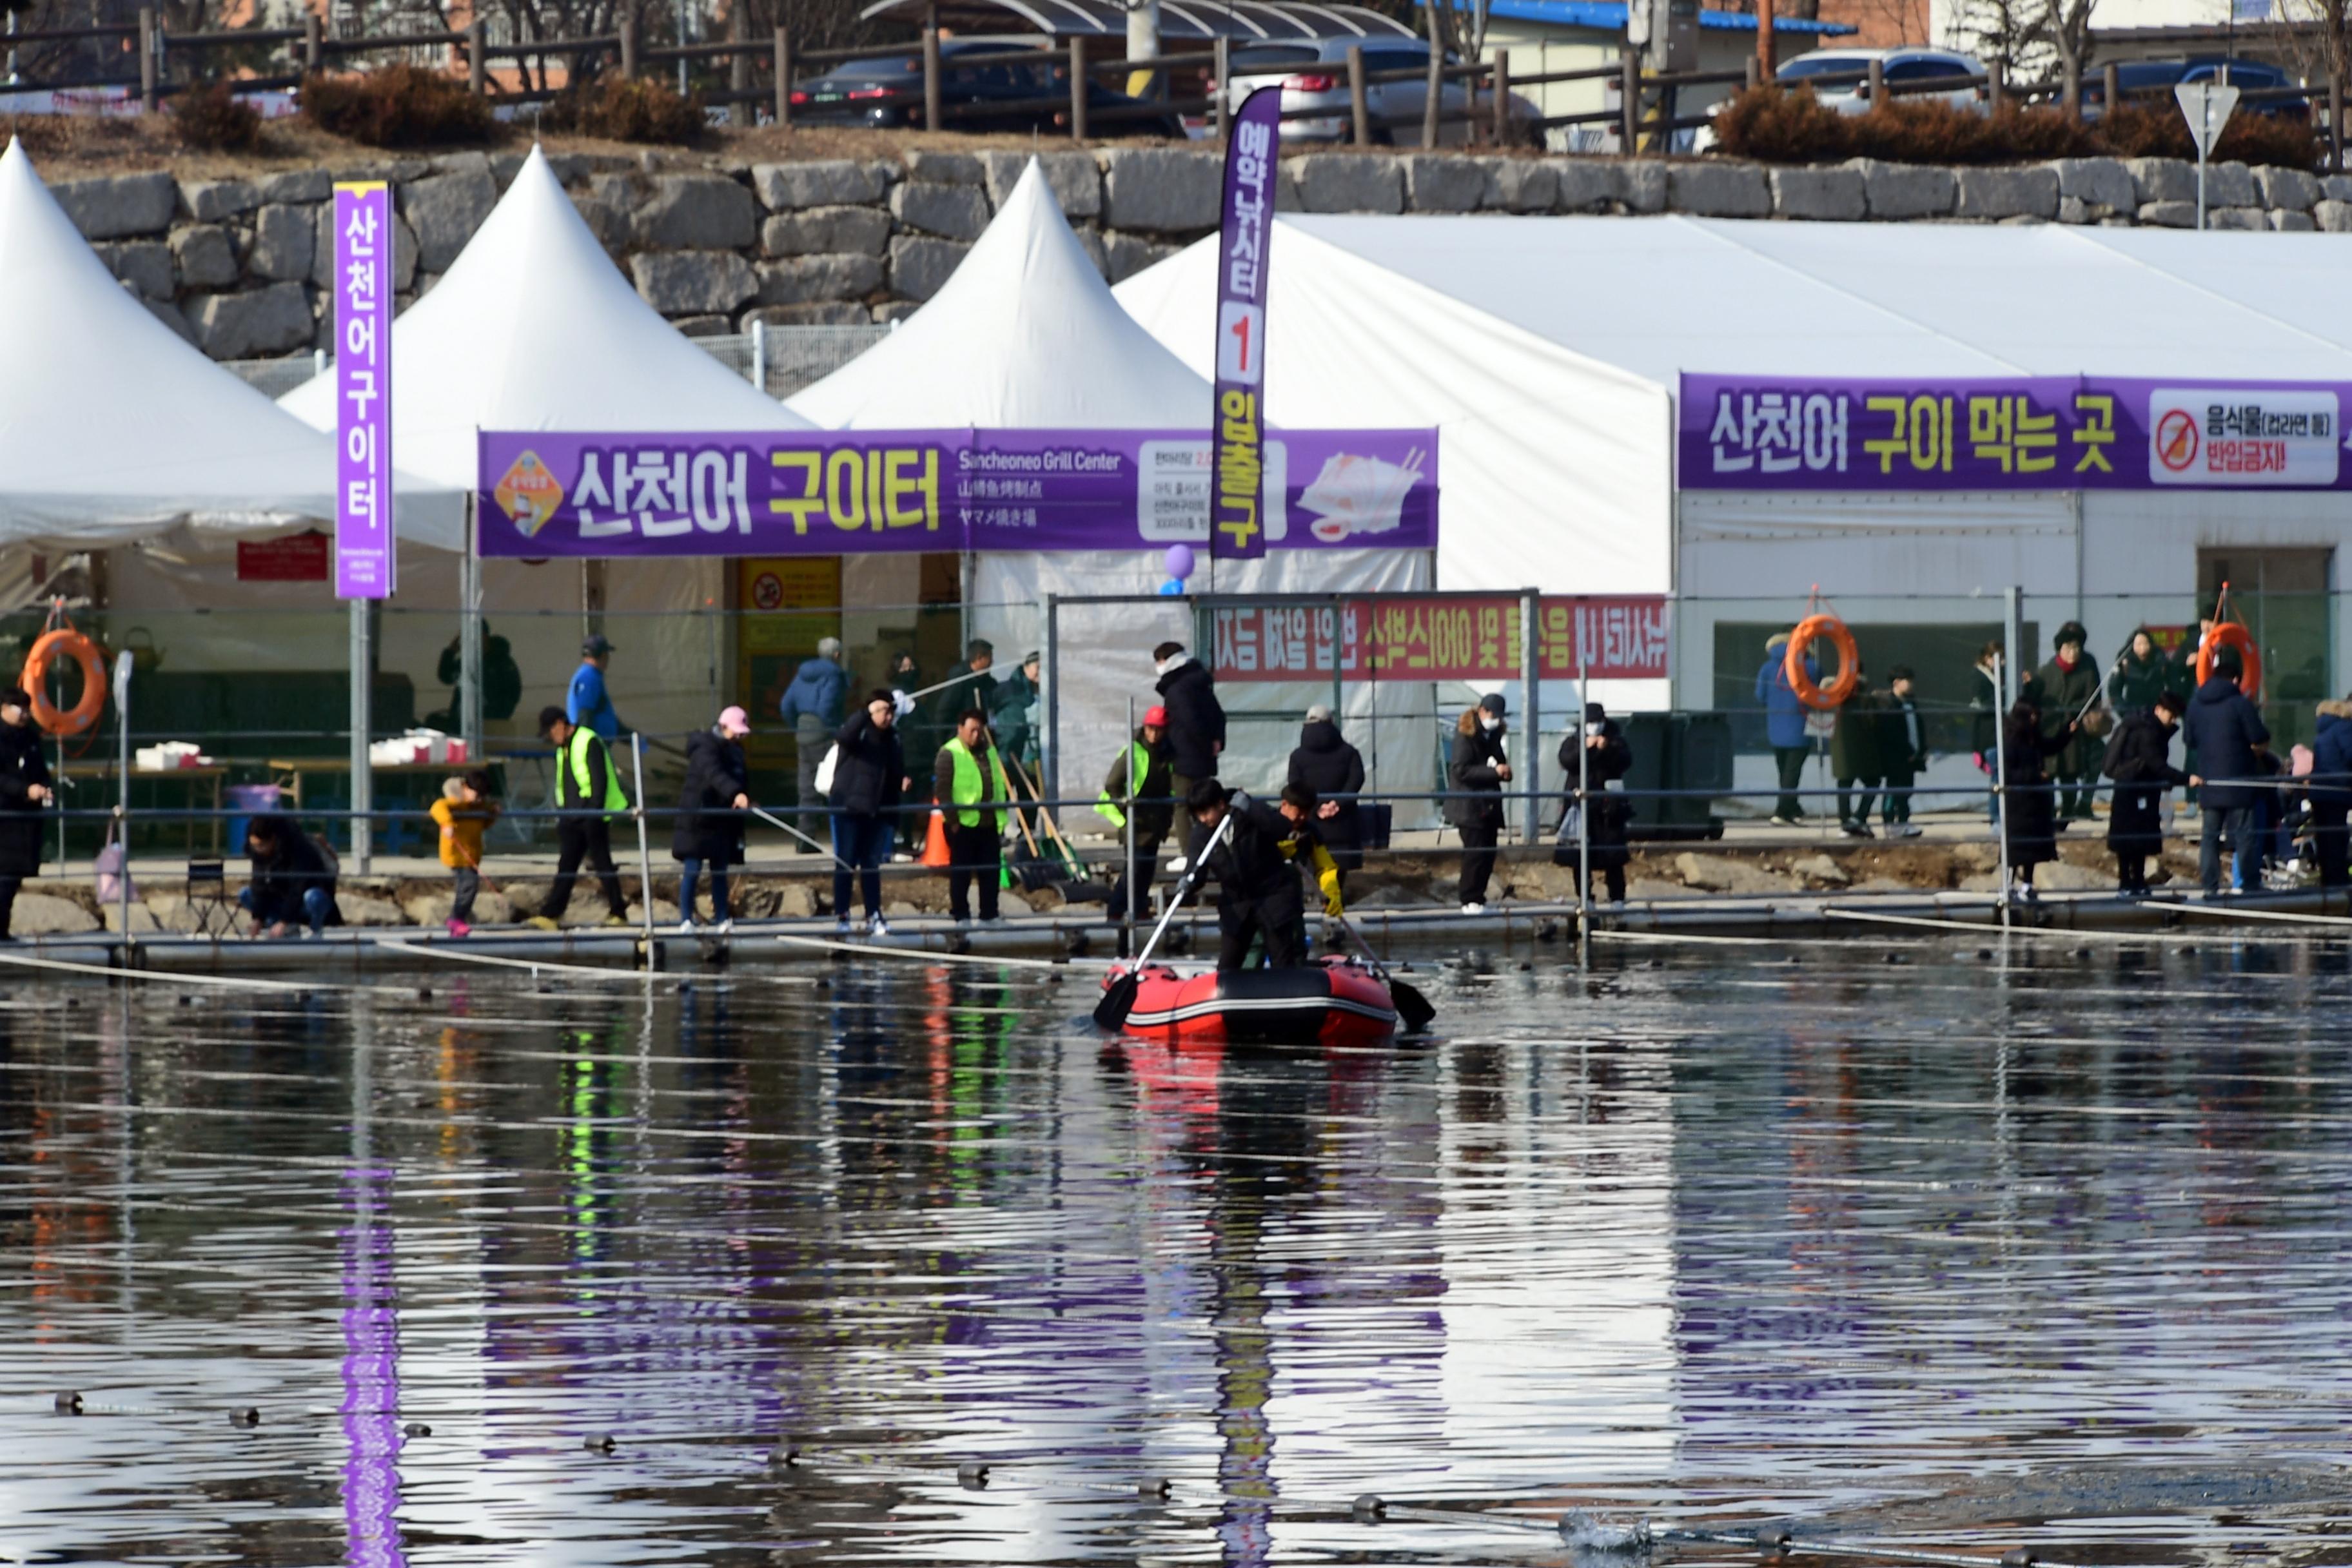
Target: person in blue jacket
<point x="587" y="705"/>
<point x="2330" y="792"/>
<point x="1784" y="725"/>
<point x="814" y="705"/>
<point x="2231" y="745"/>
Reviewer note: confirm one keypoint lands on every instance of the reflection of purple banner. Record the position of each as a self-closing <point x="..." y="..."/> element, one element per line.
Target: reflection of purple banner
<point x="2030" y="433"/>
<point x="371" y="1379"/>
<point x="851" y="492"/>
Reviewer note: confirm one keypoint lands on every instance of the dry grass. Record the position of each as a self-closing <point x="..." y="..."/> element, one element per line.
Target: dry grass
<point x="397" y="106"/>
<point x="639" y="111"/>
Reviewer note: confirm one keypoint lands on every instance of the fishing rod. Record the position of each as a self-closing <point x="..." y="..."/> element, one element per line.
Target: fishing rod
<point x="774" y="821"/>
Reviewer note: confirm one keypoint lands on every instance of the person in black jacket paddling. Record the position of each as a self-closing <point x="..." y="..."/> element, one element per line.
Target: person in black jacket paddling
<point x="869" y="779"/>
<point x="25" y="796"/>
<point x="709" y="826"/>
<point x="293" y="880"/>
<point x="1607" y="758"/>
<point x="1325" y="764"/>
<point x="2139" y="759"/>
<point x="1477" y="772"/>
<point x="1257" y="872"/>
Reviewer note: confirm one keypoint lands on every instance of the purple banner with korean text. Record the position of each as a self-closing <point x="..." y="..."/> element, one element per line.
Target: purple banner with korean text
<point x="2027" y="433"/>
<point x="364" y="557"/>
<point x="1255" y="144"/>
<point x="856" y="492"/>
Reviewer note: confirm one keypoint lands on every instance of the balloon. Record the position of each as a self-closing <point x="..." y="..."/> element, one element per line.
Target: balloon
<point x="1174" y="587"/>
<point x="1180" y="562"/>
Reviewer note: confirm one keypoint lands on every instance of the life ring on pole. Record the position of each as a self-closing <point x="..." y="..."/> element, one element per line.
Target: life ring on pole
<point x="1792" y="663"/>
<point x="70" y="644"/>
<point x="2231" y="633"/>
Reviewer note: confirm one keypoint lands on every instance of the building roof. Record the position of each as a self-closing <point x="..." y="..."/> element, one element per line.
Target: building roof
<point x="1238" y="19"/>
<point x="1608" y="16"/>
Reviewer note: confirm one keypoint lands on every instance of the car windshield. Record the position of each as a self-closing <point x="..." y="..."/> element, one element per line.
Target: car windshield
<point x="1274" y="59"/>
<point x="1819" y="65"/>
<point x="897" y="64"/>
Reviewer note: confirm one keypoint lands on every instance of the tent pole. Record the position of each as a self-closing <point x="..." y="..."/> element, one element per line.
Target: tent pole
<point x="362" y="723"/>
<point x="470" y="636"/>
<point x="1532" y="702"/>
<point x="1050" y="764"/>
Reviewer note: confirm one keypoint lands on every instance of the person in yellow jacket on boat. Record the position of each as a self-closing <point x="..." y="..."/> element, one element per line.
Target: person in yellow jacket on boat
<point x="1257" y="872"/>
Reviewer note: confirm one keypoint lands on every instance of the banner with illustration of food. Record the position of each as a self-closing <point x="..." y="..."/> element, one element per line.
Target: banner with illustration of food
<point x="849" y="493"/>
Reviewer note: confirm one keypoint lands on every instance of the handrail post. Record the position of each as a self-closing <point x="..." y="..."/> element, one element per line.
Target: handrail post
<point x="1531" y="707"/>
<point x="478" y="73"/>
<point x="149" y="99"/>
<point x="1432" y="97"/>
<point x="1219" y="111"/>
<point x="314" y="52"/>
<point x="1359" y="108"/>
<point x="783" y="70"/>
<point x="934" y="106"/>
<point x="628" y="30"/>
<point x="2111" y="88"/>
<point x="1502" y="84"/>
<point x="644" y="851"/>
<point x="1996" y="85"/>
<point x="2335" y="122"/>
<point x="1078" y="87"/>
<point x="739" y="64"/>
<point x="123" y="665"/>
<point x="1629" y="102"/>
<point x="1874" y="87"/>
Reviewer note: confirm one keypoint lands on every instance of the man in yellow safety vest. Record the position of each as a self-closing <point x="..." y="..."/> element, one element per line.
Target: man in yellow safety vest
<point x="968" y="780"/>
<point x="1138" y="781"/>
<point x="585" y="781"/>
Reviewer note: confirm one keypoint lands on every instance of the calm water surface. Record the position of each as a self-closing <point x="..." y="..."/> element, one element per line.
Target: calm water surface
<point x="1946" y="1252"/>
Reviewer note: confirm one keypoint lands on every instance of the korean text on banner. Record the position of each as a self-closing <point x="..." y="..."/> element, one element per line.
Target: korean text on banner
<point x="1239" y="529"/>
<point x="1438" y="636"/>
<point x="364" y="556"/>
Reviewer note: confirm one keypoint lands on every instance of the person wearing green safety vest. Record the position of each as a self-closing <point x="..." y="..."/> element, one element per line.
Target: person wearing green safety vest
<point x="968" y="780"/>
<point x="1151" y="797"/>
<point x="585" y="781"/>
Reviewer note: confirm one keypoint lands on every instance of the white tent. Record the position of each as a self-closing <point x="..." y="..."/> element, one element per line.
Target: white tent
<point x="533" y="328"/>
<point x="113" y="428"/>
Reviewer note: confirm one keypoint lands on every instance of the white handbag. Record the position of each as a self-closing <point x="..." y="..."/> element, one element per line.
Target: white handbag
<point x="825" y="768"/>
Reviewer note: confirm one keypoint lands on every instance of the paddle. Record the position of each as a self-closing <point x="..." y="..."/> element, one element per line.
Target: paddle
<point x="1118" y="996"/>
<point x="1411" y="1006"/>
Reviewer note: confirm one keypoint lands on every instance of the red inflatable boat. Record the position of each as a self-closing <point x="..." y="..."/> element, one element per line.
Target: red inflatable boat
<point x="1334" y="1001"/>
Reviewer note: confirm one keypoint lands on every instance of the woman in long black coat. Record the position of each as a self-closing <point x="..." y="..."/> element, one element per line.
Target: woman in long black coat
<point x="709" y="829"/>
<point x="1325" y="763"/>
<point x="1477" y="771"/>
<point x="1606" y="845"/>
<point x="2032" y="802"/>
<point x="2139" y="759"/>
<point x="26" y="795"/>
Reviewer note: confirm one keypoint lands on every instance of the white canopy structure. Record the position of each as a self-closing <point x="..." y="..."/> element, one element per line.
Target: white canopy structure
<point x="113" y="428"/>
<point x="533" y="328"/>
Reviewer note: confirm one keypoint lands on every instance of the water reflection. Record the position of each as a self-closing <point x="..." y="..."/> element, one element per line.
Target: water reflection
<point x="1964" y="1252"/>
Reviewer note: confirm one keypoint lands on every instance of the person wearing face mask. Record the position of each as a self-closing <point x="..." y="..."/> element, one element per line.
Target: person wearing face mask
<point x="1478" y="773"/>
<point x="1607" y="846"/>
<point x="25" y="795"/>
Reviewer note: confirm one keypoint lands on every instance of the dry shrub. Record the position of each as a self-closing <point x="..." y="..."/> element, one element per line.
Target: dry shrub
<point x="2147" y="131"/>
<point x="398" y="106"/>
<point x="212" y="118"/>
<point x="618" y="110"/>
<point x="1773" y="126"/>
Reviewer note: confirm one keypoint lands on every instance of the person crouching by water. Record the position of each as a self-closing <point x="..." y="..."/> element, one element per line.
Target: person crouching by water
<point x="2028" y="744"/>
<point x="1606" y="844"/>
<point x="869" y="779"/>
<point x="1257" y="879"/>
<point x="293" y="881"/>
<point x="1478" y="773"/>
<point x="2139" y="759"/>
<point x="709" y="831"/>
<point x="25" y="795"/>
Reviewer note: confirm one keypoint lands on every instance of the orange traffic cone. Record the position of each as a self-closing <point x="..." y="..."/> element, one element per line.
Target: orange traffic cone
<point x="935" y="842"/>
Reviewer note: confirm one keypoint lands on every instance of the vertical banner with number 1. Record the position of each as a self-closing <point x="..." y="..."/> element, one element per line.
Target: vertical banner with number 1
<point x="1238" y="434"/>
<point x="364" y="555"/>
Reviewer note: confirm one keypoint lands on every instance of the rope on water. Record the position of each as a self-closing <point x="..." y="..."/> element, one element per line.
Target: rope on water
<point x="2223" y="912"/>
<point x="109" y="972"/>
<point x="923" y="956"/>
<point x="1600" y="934"/>
<point x="1972" y="929"/>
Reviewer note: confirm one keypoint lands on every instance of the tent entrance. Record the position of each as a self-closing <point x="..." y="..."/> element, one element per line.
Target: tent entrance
<point x="2282" y="596"/>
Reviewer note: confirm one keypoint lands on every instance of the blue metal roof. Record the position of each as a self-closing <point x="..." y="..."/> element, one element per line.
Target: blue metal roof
<point x="1608" y="16"/>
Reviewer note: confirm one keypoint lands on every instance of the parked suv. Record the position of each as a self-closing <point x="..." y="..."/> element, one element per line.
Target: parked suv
<point x="1906" y="65"/>
<point x="2134" y="76"/>
<point x="887" y="90"/>
<point x="1313" y="74"/>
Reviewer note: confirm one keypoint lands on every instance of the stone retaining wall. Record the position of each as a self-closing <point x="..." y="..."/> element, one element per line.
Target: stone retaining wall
<point x="239" y="266"/>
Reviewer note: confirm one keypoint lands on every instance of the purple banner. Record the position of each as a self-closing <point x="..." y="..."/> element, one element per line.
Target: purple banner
<point x="1241" y="530"/>
<point x="855" y="493"/>
<point x="2033" y="433"/>
<point x="362" y="283"/>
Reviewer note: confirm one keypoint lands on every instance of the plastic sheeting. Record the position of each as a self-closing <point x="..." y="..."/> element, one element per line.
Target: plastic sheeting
<point x="533" y="328"/>
<point x="113" y="429"/>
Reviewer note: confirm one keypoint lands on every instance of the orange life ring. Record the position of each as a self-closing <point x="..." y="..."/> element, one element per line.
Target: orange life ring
<point x="2250" y="658"/>
<point x="1792" y="663"/>
<point x="35" y="680"/>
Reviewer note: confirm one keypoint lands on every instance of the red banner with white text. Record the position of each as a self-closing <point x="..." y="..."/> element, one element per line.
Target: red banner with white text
<point x="1443" y="636"/>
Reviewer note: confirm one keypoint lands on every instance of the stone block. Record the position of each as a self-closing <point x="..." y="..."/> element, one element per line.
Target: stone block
<point x="1434" y="183"/>
<point x="950" y="212"/>
<point x="1349" y="182"/>
<point x="805" y="279"/>
<point x="2230" y="186"/>
<point x="2074" y="210"/>
<point x="145" y="264"/>
<point x="2252" y="219"/>
<point x="1074" y="177"/>
<point x="921" y="266"/>
<point x="1125" y="254"/>
<point x="1286" y="198"/>
<point x="1587" y="185"/>
<point x="2336" y="187"/>
<point x="169" y="314"/>
<point x="1893" y="192"/>
<point x="823" y="313"/>
<point x="817" y="231"/>
<point x="203" y="257"/>
<point x="2162" y="180"/>
<point x="2289" y="188"/>
<point x="1725" y="873"/>
<point x="122" y="205"/>
<point x="322" y="249"/>
<point x="301" y="185"/>
<point x="832" y="182"/>
<point x="1091" y="242"/>
<point x="2103" y="185"/>
<point x="1642" y="186"/>
<point x="2168" y="214"/>
<point x="42" y="914"/>
<point x="693" y="282"/>
<point x="895" y="311"/>
<point x="607" y="220"/>
<point x="699" y="212"/>
<point x="703" y="326"/>
<point x="209" y="201"/>
<point x="271" y="320"/>
<point x="1718" y="190"/>
<point x="431" y="909"/>
<point x="2334" y="215"/>
<point x="282" y="237"/>
<point x="1996" y="194"/>
<point x="1520" y="185"/>
<point x="445" y="211"/>
<point x="142" y="919"/>
<point x="1160" y="190"/>
<point x="1833" y="196"/>
<point x="2287" y="220"/>
<point x="945" y="168"/>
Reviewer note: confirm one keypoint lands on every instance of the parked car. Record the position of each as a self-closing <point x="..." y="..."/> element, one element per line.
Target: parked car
<point x="1313" y="74"/>
<point x="1972" y="85"/>
<point x="2137" y="76"/>
<point x="887" y="90"/>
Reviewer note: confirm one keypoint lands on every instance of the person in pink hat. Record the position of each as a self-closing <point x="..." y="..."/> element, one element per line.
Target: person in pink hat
<point x="709" y="829"/>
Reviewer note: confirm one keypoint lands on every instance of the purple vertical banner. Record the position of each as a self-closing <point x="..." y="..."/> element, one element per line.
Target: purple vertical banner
<point x="1237" y="433"/>
<point x="364" y="556"/>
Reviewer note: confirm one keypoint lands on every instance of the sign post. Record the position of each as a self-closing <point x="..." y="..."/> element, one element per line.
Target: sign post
<point x="1238" y="529"/>
<point x="2206" y="106"/>
<point x="365" y="559"/>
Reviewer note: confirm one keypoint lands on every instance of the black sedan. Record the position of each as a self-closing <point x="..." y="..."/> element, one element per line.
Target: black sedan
<point x="976" y="93"/>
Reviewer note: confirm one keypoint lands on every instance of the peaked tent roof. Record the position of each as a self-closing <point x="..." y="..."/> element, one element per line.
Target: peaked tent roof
<point x="533" y="328"/>
<point x="1025" y="335"/>
<point x="113" y="427"/>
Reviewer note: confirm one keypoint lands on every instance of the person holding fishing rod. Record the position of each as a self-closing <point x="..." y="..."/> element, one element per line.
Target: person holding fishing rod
<point x="869" y="779"/>
<point x="709" y="829"/>
<point x="2070" y="684"/>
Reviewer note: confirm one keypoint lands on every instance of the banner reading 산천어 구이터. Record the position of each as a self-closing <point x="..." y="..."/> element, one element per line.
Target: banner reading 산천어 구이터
<point x="365" y="560"/>
<point x="830" y="493"/>
<point x="2031" y="432"/>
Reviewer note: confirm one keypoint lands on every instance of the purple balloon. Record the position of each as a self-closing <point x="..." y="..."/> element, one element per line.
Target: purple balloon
<point x="1180" y="562"/>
